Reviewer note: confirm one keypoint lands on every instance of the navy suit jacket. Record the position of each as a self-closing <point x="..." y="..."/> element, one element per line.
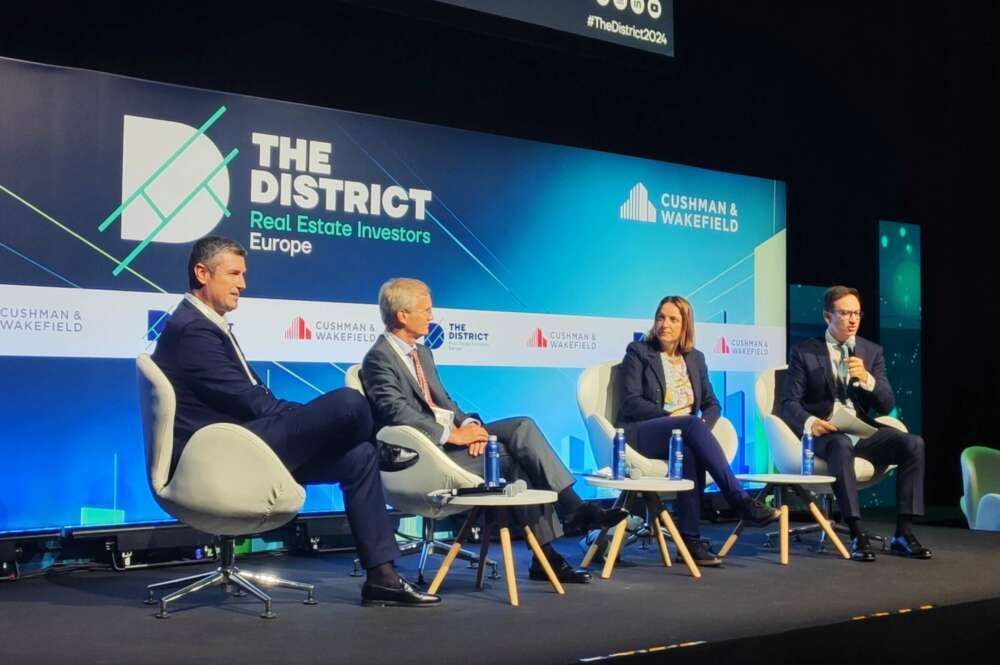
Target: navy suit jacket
<point x="641" y="383"/>
<point x="208" y="378"/>
<point x="395" y="395"/>
<point x="809" y="387"/>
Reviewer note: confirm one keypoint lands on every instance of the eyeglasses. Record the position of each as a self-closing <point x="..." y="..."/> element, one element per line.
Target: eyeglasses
<point x="849" y="313"/>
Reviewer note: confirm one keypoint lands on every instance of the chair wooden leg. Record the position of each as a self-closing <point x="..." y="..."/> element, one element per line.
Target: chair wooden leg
<point x="616" y="546"/>
<point x="542" y="559"/>
<point x="830" y="533"/>
<point x="456" y="547"/>
<point x="679" y="544"/>
<point x="783" y="527"/>
<point x="508" y="563"/>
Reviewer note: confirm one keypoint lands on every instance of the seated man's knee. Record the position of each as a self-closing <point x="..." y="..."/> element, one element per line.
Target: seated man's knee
<point x="838" y="444"/>
<point x="914" y="444"/>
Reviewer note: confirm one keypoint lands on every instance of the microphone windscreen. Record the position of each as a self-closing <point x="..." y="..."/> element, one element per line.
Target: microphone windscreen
<point x="515" y="488"/>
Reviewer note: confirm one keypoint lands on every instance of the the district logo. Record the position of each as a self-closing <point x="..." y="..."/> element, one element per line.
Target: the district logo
<point x="721" y="346"/>
<point x="638" y="208"/>
<point x="434" y="337"/>
<point x="175" y="183"/>
<point x="156" y="323"/>
<point x="298" y="329"/>
<point x="538" y="340"/>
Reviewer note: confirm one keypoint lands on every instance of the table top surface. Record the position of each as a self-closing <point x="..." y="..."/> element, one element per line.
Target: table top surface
<point x="651" y="484"/>
<point x="525" y="498"/>
<point x="785" y="478"/>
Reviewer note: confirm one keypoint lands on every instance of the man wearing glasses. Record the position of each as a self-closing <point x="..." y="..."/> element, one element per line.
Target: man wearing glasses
<point x="842" y="370"/>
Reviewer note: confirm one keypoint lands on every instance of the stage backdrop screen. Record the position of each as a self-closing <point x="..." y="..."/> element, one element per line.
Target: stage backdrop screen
<point x="543" y="260"/>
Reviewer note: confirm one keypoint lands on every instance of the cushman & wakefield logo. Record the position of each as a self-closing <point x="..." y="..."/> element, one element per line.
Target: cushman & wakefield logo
<point x="696" y="212"/>
<point x="41" y="320"/>
<point x="741" y="346"/>
<point x="298" y="329"/>
<point x="563" y="339"/>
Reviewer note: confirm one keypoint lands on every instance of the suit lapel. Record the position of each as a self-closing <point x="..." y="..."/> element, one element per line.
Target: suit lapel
<point x="657" y="364"/>
<point x="694" y="374"/>
<point x="402" y="367"/>
<point x="826" y="362"/>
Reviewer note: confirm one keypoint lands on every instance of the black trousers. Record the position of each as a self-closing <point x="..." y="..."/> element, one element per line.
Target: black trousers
<point x="886" y="446"/>
<point x="328" y="440"/>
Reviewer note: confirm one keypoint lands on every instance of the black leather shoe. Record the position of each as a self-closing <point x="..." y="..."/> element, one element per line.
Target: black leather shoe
<point x="564" y="572"/>
<point x="907" y="545"/>
<point x="396" y="458"/>
<point x="861" y="548"/>
<point x="757" y="513"/>
<point x="402" y="595"/>
<point x="702" y="556"/>
<point x="590" y="516"/>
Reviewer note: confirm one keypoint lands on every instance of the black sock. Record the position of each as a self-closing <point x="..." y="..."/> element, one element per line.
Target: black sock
<point x="904" y="524"/>
<point x="854" y="524"/>
<point x="568" y="501"/>
<point x="384" y="574"/>
<point x="550" y="553"/>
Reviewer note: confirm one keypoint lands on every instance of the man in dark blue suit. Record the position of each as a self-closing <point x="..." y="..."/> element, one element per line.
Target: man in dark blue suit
<point x="844" y="370"/>
<point x="327" y="440"/>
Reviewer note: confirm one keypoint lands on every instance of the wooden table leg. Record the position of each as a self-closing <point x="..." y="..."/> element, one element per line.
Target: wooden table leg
<point x="783" y="535"/>
<point x="679" y="543"/>
<point x="652" y="506"/>
<point x="508" y="563"/>
<point x="596" y="546"/>
<point x="830" y="533"/>
<point x="616" y="546"/>
<point x="484" y="552"/>
<point x="542" y="559"/>
<point x="456" y="547"/>
<point x="738" y="530"/>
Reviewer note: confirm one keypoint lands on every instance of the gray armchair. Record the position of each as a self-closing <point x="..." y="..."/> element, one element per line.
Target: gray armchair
<point x="227" y="483"/>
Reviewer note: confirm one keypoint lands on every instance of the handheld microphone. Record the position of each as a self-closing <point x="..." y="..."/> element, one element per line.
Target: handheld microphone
<point x="854" y="382"/>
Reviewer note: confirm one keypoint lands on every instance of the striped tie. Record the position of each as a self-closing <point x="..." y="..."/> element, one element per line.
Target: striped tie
<point x="421" y="379"/>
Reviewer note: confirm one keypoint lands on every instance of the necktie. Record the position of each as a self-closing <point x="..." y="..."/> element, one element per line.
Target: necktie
<point x="421" y="379"/>
<point x="842" y="368"/>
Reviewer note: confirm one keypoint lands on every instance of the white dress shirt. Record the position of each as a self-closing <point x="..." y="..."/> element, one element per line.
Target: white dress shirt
<point x="833" y="347"/>
<point x="444" y="417"/>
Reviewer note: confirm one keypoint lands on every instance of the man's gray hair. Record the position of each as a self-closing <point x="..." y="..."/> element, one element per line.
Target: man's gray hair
<point x="206" y="251"/>
<point x="399" y="294"/>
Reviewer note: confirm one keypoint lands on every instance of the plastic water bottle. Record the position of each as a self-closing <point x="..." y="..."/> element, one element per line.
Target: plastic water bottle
<point x="676" y="455"/>
<point x="491" y="472"/>
<point x="618" y="470"/>
<point x="808" y="455"/>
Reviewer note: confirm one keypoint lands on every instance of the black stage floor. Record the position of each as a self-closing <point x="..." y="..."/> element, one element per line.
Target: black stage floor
<point x="752" y="610"/>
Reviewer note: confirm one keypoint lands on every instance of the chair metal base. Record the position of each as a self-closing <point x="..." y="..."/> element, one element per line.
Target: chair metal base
<point x="231" y="579"/>
<point x="428" y="546"/>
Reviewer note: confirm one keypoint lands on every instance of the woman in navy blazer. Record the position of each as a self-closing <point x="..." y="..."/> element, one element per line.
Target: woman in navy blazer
<point x="662" y="386"/>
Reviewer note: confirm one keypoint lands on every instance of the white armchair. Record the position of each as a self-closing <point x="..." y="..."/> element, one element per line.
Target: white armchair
<point x="407" y="490"/>
<point x="227" y="483"/>
<point x="981" y="484"/>
<point x="786" y="448"/>
<point x="595" y="396"/>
